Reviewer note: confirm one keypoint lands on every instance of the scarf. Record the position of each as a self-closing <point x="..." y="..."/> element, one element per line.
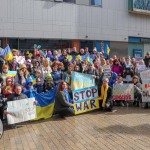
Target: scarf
<point x="104" y="94"/>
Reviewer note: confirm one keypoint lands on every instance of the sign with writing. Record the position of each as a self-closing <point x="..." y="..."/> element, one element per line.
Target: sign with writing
<point x="123" y="92"/>
<point x="141" y="68"/>
<point x="146" y="92"/>
<point x="21" y="110"/>
<point x="145" y="76"/>
<point x="85" y="94"/>
<point x="11" y="73"/>
<point x="85" y="99"/>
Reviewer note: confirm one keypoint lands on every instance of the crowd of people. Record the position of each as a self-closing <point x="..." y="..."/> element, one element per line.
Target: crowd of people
<point x="45" y="69"/>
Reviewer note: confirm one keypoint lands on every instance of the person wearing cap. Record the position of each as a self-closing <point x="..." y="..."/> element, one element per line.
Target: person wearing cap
<point x="22" y="75"/>
<point x="8" y="89"/>
<point x="137" y="91"/>
<point x="48" y="84"/>
<point x="105" y="99"/>
<point x="38" y="86"/>
<point x="147" y="59"/>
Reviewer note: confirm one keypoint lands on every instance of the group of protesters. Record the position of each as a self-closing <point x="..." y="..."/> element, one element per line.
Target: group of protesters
<point x="43" y="70"/>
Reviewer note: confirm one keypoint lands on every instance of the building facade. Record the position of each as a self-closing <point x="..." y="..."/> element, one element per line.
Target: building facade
<point x="80" y="23"/>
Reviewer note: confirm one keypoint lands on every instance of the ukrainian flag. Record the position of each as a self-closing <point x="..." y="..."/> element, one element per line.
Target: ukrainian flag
<point x="7" y="54"/>
<point x="11" y="73"/>
<point x="108" y="50"/>
<point x="69" y="57"/>
<point x="45" y="105"/>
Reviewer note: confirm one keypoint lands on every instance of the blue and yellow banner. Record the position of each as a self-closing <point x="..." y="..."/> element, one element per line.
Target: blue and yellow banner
<point x="80" y="80"/>
<point x="85" y="100"/>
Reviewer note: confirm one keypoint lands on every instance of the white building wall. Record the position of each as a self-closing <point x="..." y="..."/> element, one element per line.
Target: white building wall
<point x="46" y="19"/>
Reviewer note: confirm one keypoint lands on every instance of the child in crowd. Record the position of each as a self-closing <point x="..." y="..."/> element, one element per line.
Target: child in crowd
<point x="8" y="89"/>
<point x="38" y="86"/>
<point x="48" y="84"/>
<point x="29" y="91"/>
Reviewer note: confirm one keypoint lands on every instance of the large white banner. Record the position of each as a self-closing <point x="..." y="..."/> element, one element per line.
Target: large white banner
<point x="21" y="110"/>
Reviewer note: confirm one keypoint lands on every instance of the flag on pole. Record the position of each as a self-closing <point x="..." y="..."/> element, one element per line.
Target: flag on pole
<point x="108" y="50"/>
<point x="7" y="54"/>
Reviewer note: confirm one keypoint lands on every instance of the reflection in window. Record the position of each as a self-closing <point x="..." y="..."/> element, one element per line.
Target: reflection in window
<point x="96" y="2"/>
<point x="69" y="1"/>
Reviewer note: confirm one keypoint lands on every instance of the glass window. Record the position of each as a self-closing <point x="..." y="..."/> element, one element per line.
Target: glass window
<point x="70" y="1"/>
<point x="96" y="2"/>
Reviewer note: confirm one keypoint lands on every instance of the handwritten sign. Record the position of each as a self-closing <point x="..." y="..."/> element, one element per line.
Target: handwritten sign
<point x="123" y="92"/>
<point x="85" y="99"/>
<point x="21" y="110"/>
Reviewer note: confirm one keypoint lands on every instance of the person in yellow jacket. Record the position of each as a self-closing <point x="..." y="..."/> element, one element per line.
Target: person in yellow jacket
<point x="105" y="99"/>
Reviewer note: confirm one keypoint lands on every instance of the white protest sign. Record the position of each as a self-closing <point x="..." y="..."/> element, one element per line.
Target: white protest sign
<point x="21" y="110"/>
<point x="146" y="92"/>
<point x="123" y="92"/>
<point x="141" y="68"/>
<point x="145" y="76"/>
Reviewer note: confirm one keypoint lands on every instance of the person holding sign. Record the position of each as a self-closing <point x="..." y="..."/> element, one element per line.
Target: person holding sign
<point x="18" y="95"/>
<point x="62" y="101"/>
<point x="105" y="99"/>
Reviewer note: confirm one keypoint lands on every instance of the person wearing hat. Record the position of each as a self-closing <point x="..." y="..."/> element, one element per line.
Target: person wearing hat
<point x="22" y="75"/>
<point x="8" y="89"/>
<point x="38" y="86"/>
<point x="48" y="84"/>
<point x="137" y="91"/>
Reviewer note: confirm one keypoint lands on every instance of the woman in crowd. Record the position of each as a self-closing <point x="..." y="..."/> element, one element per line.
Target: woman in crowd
<point x="4" y="74"/>
<point x="116" y="67"/>
<point x="45" y="68"/>
<point x="56" y="75"/>
<point x="62" y="104"/>
<point x="22" y="75"/>
<point x="105" y="99"/>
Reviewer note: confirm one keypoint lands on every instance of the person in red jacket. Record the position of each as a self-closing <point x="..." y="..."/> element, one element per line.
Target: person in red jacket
<point x="8" y="89"/>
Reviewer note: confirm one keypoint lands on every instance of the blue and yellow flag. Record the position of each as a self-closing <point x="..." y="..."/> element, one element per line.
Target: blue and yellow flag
<point x="69" y="57"/>
<point x="45" y="105"/>
<point x="108" y="50"/>
<point x="11" y="73"/>
<point x="7" y="54"/>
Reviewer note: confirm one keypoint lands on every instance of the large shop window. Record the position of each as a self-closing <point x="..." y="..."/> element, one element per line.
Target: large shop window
<point x="96" y="2"/>
<point x="70" y="1"/>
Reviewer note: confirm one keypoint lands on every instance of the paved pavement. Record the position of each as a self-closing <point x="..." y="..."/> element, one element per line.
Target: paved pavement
<point x="127" y="128"/>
